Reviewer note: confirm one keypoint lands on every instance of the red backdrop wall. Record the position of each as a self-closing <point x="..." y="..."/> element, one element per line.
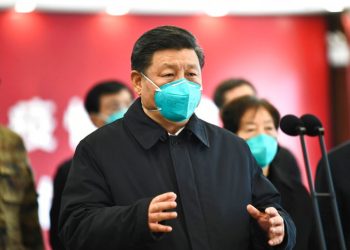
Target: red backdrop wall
<point x="56" y="57"/>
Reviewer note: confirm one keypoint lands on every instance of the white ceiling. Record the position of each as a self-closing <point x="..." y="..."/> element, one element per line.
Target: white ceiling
<point x="187" y="7"/>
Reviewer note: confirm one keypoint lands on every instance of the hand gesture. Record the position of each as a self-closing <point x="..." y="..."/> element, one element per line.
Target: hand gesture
<point x="157" y="212"/>
<point x="271" y="222"/>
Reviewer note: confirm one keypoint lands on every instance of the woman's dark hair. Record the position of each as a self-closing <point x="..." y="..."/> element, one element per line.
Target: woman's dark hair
<point x="162" y="38"/>
<point x="228" y="85"/>
<point x="92" y="99"/>
<point x="233" y="112"/>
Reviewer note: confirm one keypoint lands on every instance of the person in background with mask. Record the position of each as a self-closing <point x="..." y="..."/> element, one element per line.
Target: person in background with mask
<point x="257" y="121"/>
<point x="106" y="102"/>
<point x="19" y="222"/>
<point x="233" y="88"/>
<point x="161" y="178"/>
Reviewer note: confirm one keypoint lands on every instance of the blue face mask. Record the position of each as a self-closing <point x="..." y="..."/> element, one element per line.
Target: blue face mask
<point x="116" y="116"/>
<point x="177" y="100"/>
<point x="263" y="148"/>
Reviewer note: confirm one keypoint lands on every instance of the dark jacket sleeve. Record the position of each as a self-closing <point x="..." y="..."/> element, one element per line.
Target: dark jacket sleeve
<point x="265" y="195"/>
<point x="325" y="206"/>
<point x="58" y="186"/>
<point x="90" y="219"/>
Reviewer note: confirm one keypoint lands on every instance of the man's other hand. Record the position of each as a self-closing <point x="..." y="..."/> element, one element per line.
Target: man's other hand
<point x="271" y="222"/>
<point x="157" y="212"/>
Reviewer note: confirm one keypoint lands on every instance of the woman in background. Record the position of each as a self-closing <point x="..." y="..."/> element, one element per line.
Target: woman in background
<point x="256" y="121"/>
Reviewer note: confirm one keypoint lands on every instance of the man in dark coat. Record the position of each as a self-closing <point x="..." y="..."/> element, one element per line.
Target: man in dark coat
<point x="160" y="178"/>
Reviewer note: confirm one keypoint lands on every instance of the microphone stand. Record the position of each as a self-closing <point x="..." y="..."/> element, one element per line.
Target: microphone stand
<point x="331" y="190"/>
<point x="312" y="189"/>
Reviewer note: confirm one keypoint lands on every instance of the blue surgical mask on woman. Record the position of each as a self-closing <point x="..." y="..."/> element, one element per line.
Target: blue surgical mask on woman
<point x="177" y="100"/>
<point x="263" y="148"/>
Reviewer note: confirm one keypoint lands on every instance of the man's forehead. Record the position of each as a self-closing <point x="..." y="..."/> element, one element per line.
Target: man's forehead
<point x="175" y="54"/>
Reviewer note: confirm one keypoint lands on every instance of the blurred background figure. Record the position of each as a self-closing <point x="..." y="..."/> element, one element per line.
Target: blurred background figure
<point x="339" y="160"/>
<point x="19" y="223"/>
<point x="234" y="88"/>
<point x="108" y="101"/>
<point x="257" y="121"/>
<point x="231" y="89"/>
<point x="105" y="102"/>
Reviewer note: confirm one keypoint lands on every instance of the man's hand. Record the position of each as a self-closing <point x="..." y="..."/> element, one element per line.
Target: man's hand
<point x="271" y="222"/>
<point x="157" y="213"/>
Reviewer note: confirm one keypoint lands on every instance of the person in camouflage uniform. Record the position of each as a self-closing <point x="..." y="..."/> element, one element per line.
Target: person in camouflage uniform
<point x="19" y="224"/>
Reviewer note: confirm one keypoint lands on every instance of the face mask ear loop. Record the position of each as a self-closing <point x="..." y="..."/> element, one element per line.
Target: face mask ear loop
<point x="157" y="89"/>
<point x="155" y="85"/>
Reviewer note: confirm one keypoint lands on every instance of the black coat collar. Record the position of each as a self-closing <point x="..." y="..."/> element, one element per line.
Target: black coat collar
<point x="147" y="132"/>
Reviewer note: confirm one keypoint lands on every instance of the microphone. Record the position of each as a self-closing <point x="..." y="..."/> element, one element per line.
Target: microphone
<point x="312" y="124"/>
<point x="314" y="128"/>
<point x="292" y="125"/>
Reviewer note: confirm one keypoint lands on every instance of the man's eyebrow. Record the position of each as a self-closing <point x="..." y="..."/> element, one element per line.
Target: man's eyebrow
<point x="175" y="65"/>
